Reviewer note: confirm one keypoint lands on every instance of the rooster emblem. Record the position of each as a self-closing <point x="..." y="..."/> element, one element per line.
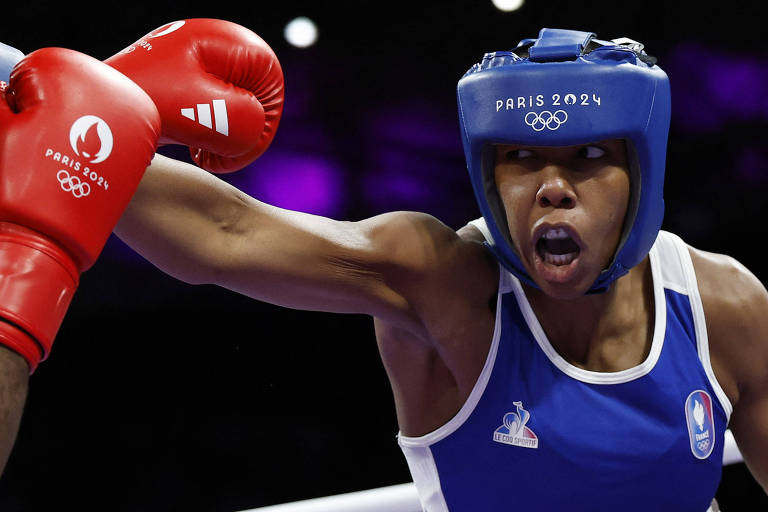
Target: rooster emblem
<point x="513" y="431"/>
<point x="515" y="421"/>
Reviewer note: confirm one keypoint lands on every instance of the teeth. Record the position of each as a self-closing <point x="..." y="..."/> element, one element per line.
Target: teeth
<point x="559" y="259"/>
<point x="555" y="234"/>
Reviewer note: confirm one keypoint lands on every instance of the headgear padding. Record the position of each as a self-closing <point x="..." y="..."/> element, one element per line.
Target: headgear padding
<point x="568" y="88"/>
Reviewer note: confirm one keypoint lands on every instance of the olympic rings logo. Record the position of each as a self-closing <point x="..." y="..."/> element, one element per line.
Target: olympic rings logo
<point x="73" y="184"/>
<point x="546" y="120"/>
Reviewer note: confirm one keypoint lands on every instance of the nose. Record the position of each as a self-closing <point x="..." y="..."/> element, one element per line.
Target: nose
<point x="555" y="191"/>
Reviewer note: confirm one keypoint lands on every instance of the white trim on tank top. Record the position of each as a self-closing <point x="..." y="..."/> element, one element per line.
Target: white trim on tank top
<point x="699" y="320"/>
<point x="592" y="377"/>
<point x="479" y="388"/>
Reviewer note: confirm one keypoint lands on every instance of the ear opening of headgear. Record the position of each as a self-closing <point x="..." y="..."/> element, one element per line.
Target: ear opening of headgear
<point x="568" y="88"/>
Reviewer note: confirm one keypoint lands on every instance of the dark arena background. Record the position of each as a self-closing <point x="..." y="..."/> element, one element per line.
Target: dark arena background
<point x="164" y="396"/>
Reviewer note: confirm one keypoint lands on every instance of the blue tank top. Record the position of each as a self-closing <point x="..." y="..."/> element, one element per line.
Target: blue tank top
<point x="539" y="434"/>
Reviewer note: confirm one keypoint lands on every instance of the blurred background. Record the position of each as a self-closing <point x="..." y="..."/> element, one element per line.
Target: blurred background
<point x="165" y="396"/>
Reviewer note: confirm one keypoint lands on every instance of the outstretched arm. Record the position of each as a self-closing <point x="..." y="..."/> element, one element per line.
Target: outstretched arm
<point x="199" y="229"/>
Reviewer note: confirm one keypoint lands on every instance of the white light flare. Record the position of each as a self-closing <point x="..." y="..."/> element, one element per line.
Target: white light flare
<point x="301" y="32"/>
<point x="508" y="5"/>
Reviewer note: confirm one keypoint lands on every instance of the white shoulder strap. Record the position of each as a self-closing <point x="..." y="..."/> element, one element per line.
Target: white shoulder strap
<point x="680" y="276"/>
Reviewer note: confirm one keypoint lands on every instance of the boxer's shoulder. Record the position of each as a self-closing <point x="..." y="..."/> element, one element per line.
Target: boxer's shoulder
<point x="446" y="277"/>
<point x="735" y="305"/>
<point x="422" y="244"/>
<point x="727" y="284"/>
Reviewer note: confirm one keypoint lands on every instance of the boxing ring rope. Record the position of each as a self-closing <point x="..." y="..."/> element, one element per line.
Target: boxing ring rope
<point x="403" y="497"/>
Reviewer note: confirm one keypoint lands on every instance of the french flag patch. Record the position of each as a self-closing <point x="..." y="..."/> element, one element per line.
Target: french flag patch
<point x="701" y="423"/>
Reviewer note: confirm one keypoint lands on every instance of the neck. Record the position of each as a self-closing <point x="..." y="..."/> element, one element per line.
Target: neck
<point x="610" y="331"/>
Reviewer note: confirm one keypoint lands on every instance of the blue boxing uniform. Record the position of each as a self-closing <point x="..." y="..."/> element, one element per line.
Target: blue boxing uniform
<point x="538" y="433"/>
<point x="9" y="57"/>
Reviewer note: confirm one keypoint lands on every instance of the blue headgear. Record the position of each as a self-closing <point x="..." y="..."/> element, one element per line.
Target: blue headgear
<point x="568" y="88"/>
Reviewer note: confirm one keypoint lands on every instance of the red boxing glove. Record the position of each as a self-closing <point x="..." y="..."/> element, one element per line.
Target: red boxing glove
<point x="218" y="87"/>
<point x="75" y="139"/>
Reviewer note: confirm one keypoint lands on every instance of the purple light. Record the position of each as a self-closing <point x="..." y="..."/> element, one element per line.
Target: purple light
<point x="395" y="190"/>
<point x="711" y="88"/>
<point x="396" y="182"/>
<point x="417" y="124"/>
<point x="738" y="86"/>
<point x="301" y="182"/>
<point x="415" y="180"/>
<point x="691" y="108"/>
<point x="411" y="141"/>
<point x="416" y="161"/>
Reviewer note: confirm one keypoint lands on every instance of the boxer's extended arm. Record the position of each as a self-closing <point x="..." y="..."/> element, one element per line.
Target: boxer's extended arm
<point x="736" y="307"/>
<point x="199" y="229"/>
<point x="14" y="377"/>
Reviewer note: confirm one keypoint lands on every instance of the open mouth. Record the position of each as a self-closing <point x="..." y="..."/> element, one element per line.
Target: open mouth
<point x="557" y="247"/>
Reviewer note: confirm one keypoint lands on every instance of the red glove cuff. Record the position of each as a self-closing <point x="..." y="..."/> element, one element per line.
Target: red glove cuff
<point x="37" y="282"/>
<point x="21" y="343"/>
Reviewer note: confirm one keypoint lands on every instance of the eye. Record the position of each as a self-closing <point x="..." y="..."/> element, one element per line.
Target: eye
<point x="591" y="151"/>
<point x="518" y="154"/>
